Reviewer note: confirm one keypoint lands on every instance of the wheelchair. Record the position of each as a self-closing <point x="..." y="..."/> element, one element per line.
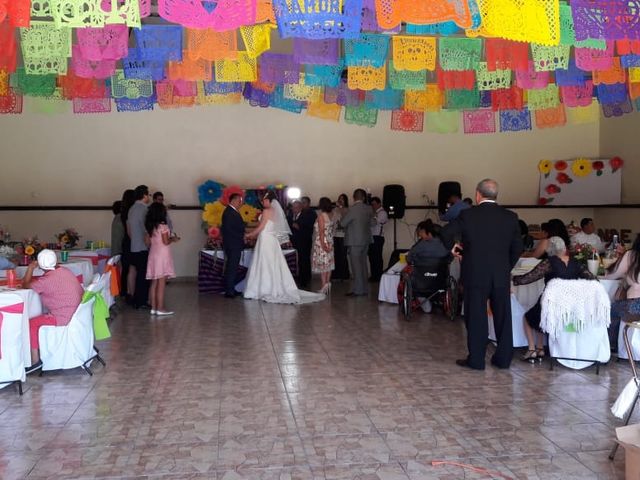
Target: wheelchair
<point x="433" y="282"/>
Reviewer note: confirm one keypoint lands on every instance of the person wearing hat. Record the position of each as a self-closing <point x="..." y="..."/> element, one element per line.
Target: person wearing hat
<point x="60" y="293"/>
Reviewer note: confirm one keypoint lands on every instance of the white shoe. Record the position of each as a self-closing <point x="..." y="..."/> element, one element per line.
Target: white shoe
<point x="153" y="312"/>
<point x="163" y="312"/>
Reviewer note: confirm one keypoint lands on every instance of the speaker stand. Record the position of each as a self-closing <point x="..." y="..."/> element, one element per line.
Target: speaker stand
<point x="395" y="237"/>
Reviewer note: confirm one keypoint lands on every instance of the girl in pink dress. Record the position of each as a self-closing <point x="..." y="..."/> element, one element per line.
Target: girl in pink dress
<point x="160" y="263"/>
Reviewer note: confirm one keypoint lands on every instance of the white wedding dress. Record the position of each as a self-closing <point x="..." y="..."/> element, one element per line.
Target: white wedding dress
<point x="269" y="278"/>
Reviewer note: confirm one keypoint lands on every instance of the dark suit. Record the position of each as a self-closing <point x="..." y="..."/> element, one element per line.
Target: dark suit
<point x="232" y="243"/>
<point x="492" y="245"/>
<point x="302" y="240"/>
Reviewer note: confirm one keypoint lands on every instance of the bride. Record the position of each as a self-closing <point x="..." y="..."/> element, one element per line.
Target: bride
<point x="269" y="277"/>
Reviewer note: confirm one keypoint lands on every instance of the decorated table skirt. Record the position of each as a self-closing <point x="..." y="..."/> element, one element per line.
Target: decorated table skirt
<point x="211" y="269"/>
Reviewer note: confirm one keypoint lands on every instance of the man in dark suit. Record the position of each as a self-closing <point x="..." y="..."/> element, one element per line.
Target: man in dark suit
<point x="302" y="239"/>
<point x="491" y="246"/>
<point x="232" y="243"/>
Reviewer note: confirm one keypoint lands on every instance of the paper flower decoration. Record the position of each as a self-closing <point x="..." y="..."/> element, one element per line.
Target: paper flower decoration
<point x="209" y="192"/>
<point x="228" y="191"/>
<point x="214" y="233"/>
<point x="616" y="163"/>
<point x="560" y="165"/>
<point x="581" y="167"/>
<point x="212" y="213"/>
<point x="251" y="198"/>
<point x="552" y="189"/>
<point x="563" y="178"/>
<point x="248" y="213"/>
<point x="598" y="166"/>
<point x="544" y="167"/>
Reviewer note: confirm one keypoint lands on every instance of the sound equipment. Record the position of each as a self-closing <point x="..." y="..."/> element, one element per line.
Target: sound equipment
<point x="394" y="200"/>
<point x="445" y="190"/>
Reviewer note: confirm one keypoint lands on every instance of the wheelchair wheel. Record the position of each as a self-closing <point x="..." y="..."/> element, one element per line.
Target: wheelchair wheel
<point x="451" y="298"/>
<point x="407" y="298"/>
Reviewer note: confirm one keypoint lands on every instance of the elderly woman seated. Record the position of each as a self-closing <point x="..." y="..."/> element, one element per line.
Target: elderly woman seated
<point x="627" y="268"/>
<point x="557" y="265"/>
<point x="60" y="293"/>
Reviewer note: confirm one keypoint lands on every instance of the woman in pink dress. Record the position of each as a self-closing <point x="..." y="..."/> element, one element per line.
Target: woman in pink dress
<point x="160" y="264"/>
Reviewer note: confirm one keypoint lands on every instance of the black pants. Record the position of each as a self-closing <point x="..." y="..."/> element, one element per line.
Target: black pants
<point x="376" y="265"/>
<point x="141" y="295"/>
<point x="304" y="263"/>
<point x="232" y="261"/>
<point x="341" y="270"/>
<point x="125" y="261"/>
<point x="475" y="308"/>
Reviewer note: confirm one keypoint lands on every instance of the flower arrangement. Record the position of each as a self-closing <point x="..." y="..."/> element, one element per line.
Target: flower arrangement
<point x="583" y="252"/>
<point x="68" y="238"/>
<point x="31" y="247"/>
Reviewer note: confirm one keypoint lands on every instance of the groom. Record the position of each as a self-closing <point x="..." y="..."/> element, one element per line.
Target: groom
<point x="232" y="243"/>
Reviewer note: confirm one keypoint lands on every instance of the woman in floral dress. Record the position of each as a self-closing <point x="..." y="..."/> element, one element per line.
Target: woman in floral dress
<point x="322" y="261"/>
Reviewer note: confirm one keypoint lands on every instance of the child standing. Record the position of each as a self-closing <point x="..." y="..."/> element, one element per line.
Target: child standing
<point x="160" y="264"/>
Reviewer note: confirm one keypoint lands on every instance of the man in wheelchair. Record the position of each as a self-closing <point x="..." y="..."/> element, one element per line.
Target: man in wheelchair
<point x="427" y="272"/>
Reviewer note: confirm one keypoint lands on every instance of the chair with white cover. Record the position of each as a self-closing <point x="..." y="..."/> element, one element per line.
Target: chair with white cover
<point x="70" y="346"/>
<point x="575" y="314"/>
<point x="11" y="354"/>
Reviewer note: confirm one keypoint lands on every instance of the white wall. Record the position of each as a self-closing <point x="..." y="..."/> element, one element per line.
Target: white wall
<point x="90" y="159"/>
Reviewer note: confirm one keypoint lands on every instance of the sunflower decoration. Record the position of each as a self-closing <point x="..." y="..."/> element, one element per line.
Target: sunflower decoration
<point x="212" y="213"/>
<point x="249" y="214"/>
<point x="581" y="167"/>
<point x="544" y="167"/>
<point x="68" y="238"/>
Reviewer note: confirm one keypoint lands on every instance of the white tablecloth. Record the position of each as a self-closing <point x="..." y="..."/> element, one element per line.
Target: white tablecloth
<point x="388" y="290"/>
<point x="78" y="266"/>
<point x="32" y="308"/>
<point x="98" y="257"/>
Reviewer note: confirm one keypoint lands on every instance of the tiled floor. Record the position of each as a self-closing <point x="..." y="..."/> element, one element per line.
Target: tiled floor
<point x="345" y="389"/>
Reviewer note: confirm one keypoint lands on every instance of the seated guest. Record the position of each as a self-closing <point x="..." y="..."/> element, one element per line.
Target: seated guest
<point x="455" y="205"/>
<point x="553" y="228"/>
<point x="588" y="235"/>
<point x="627" y="268"/>
<point x="60" y="293"/>
<point x="558" y="265"/>
<point x="428" y="245"/>
<point x="527" y="240"/>
<point x="6" y="264"/>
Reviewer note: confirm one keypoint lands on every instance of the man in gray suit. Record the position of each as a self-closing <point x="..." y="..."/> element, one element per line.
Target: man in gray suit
<point x="357" y="237"/>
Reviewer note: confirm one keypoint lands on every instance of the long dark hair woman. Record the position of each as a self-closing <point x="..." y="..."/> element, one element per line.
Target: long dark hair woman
<point x="628" y="270"/>
<point x="128" y="274"/>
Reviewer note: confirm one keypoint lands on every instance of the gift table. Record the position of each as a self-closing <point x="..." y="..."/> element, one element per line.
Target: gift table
<point x="211" y="269"/>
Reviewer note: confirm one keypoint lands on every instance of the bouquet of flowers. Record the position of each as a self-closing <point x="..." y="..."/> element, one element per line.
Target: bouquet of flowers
<point x="68" y="238"/>
<point x="31" y="247"/>
<point x="583" y="252"/>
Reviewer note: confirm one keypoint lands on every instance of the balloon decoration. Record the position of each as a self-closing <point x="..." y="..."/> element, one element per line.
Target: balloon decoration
<point x="440" y="65"/>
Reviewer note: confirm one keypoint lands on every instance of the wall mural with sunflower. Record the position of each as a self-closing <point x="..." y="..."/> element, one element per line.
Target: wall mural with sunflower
<point x="582" y="181"/>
